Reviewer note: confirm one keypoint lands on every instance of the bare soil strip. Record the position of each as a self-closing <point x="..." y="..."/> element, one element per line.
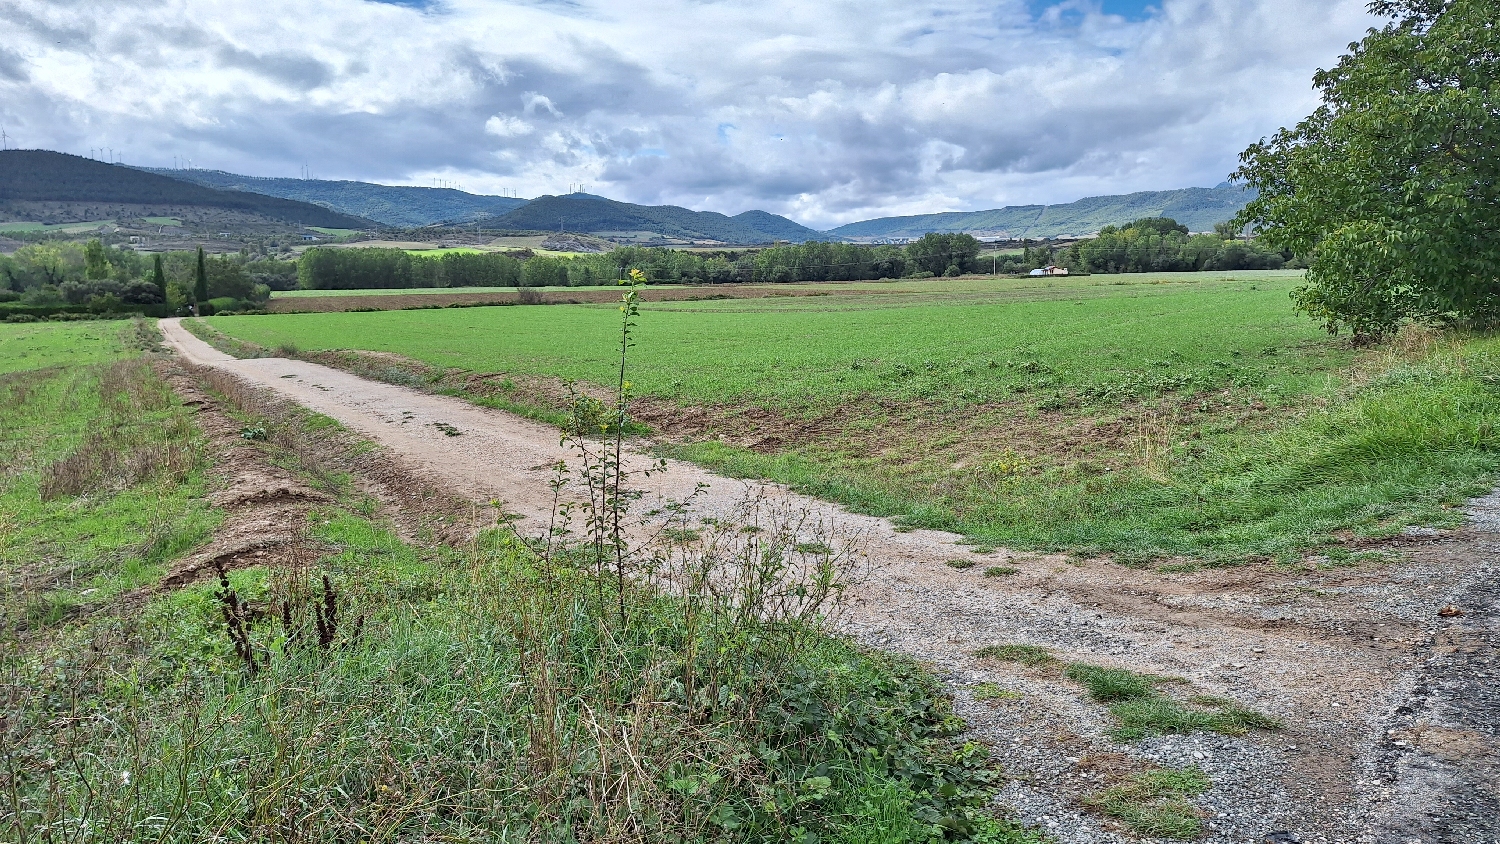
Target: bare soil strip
<point x="442" y="298"/>
<point x="1348" y="658"/>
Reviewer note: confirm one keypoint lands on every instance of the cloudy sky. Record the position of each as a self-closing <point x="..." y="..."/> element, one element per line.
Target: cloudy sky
<point x="824" y="110"/>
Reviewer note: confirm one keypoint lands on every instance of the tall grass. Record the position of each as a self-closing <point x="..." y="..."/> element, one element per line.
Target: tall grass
<point x="492" y="697"/>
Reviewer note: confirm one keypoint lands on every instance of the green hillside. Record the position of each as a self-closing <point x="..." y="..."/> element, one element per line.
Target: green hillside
<point x="393" y="205"/>
<point x="581" y="212"/>
<point x="45" y="176"/>
<point x="1197" y="208"/>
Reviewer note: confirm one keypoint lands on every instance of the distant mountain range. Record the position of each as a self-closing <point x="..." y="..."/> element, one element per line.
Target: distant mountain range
<point x="1197" y="208"/>
<point x="392" y="205"/>
<point x="49" y="177"/>
<point x="414" y="207"/>
<point x="584" y="212"/>
<point x="62" y="182"/>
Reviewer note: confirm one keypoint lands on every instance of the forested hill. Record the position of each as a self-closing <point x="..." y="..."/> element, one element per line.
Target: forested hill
<point x="393" y="205"/>
<point x="44" y="176"/>
<point x="577" y="212"/>
<point x="581" y="212"/>
<point x="1197" y="208"/>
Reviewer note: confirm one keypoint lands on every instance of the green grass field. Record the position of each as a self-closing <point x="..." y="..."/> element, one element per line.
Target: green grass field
<point x="966" y="342"/>
<point x="162" y="221"/>
<point x="53" y="227"/>
<point x="1152" y="416"/>
<point x="103" y="483"/>
<point x="41" y="345"/>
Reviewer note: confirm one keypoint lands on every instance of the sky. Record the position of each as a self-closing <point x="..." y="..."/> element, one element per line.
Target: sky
<point x="826" y="112"/>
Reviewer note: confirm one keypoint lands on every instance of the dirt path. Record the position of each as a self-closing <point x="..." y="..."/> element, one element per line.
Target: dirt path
<point x="1336" y="654"/>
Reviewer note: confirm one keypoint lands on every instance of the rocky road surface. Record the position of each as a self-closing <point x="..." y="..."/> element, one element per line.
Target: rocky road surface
<point x="1391" y="710"/>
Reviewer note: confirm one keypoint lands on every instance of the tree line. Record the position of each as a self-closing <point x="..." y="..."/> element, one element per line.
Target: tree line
<point x="58" y="273"/>
<point x="1150" y="245"/>
<point x="1160" y="244"/>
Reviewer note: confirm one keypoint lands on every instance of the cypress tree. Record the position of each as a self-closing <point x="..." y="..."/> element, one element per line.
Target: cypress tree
<point x="200" y="281"/>
<point x="159" y="278"/>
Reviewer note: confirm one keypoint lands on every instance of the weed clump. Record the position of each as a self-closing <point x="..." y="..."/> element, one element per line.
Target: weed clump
<point x="994" y="691"/>
<point x="1001" y="571"/>
<point x="1155" y="802"/>
<point x="1144" y="711"/>
<point x="1108" y="685"/>
<point x="1032" y="656"/>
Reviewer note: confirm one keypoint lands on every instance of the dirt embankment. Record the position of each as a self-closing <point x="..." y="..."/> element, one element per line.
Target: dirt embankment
<point x="266" y="505"/>
<point x="1335" y="653"/>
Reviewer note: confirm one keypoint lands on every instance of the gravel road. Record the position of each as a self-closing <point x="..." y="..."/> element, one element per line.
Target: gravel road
<point x="1391" y="711"/>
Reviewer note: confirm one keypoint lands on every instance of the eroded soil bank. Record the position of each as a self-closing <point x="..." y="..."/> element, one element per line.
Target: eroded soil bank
<point x="1389" y="708"/>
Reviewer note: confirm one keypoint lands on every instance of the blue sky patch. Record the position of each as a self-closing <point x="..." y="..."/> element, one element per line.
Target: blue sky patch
<point x="1130" y="9"/>
<point x="1133" y="10"/>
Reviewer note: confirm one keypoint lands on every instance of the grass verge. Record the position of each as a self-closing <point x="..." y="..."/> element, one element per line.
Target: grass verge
<point x="104" y="480"/>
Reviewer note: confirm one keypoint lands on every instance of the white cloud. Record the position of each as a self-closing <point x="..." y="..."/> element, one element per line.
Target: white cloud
<point x="508" y="127"/>
<point x="839" y="110"/>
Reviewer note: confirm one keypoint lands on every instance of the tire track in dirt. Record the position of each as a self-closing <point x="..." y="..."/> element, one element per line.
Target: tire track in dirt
<point x="1325" y="651"/>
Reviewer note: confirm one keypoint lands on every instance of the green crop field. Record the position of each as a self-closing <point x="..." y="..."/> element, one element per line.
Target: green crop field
<point x="810" y="354"/>
<point x="1153" y="416"/>
<point x="42" y="345"/>
<point x="162" y="221"/>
